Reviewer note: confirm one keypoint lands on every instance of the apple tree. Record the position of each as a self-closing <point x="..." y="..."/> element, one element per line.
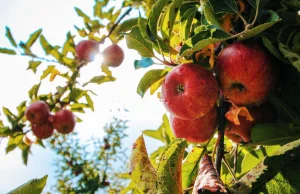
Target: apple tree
<point x="227" y="73"/>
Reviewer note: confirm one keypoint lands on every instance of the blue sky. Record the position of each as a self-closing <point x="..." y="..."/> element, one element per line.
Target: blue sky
<point x="56" y="18"/>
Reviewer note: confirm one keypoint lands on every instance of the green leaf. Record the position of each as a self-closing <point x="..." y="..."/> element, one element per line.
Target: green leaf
<point x="47" y="71"/>
<point x="210" y="17"/>
<point x="256" y="156"/>
<point x="202" y="39"/>
<point x="100" y="80"/>
<point x="274" y="133"/>
<point x="294" y="58"/>
<point x="25" y="154"/>
<point x="268" y="44"/>
<point x="69" y="45"/>
<point x="225" y="6"/>
<point x="186" y="23"/>
<point x="169" y="177"/>
<point x="136" y="41"/>
<point x="153" y="18"/>
<point x="144" y="63"/>
<point x="76" y="94"/>
<point x="154" y="156"/>
<point x="7" y="51"/>
<point x="163" y="133"/>
<point x="33" y="37"/>
<point x="267" y="174"/>
<point x="89" y="102"/>
<point x="81" y="31"/>
<point x="34" y="91"/>
<point x="274" y="18"/>
<point x="5" y="131"/>
<point x="13" y="142"/>
<point x="33" y="65"/>
<point x="169" y="19"/>
<point x="142" y="173"/>
<point x="283" y="110"/>
<point x="150" y="78"/>
<point x="190" y="166"/>
<point x="10" y="116"/>
<point x="82" y="14"/>
<point x="34" y="186"/>
<point x="45" y="45"/>
<point x="10" y="37"/>
<point x="254" y="3"/>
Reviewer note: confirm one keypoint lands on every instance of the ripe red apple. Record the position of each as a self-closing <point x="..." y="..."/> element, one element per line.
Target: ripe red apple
<point x="86" y="50"/>
<point x="37" y="112"/>
<point x="43" y="131"/>
<point x="197" y="130"/>
<point x="113" y="55"/>
<point x="246" y="73"/>
<point x="189" y="91"/>
<point x="242" y="133"/>
<point x="64" y="121"/>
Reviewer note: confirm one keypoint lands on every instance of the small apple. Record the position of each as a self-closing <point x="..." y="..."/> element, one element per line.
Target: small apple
<point x="197" y="130"/>
<point x="64" y="121"/>
<point x="246" y="73"/>
<point x="37" y="112"/>
<point x="113" y="55"/>
<point x="189" y="91"/>
<point x="242" y="133"/>
<point x="86" y="50"/>
<point x="43" y="131"/>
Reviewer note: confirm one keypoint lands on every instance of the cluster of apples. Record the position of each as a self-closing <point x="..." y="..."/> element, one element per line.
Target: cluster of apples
<point x="86" y="50"/>
<point x="43" y="122"/>
<point x="244" y="74"/>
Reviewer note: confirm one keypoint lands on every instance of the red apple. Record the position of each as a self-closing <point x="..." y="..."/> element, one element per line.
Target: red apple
<point x="189" y="91"/>
<point x="43" y="131"/>
<point x="64" y="121"/>
<point x="113" y="55"/>
<point x="246" y="73"/>
<point x="86" y="50"/>
<point x="242" y="133"/>
<point x="197" y="130"/>
<point x="37" y="112"/>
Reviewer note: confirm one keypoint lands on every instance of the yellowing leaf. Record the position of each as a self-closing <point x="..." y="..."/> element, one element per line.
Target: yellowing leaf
<point x="234" y="111"/>
<point x="54" y="73"/>
<point x="156" y="85"/>
<point x="142" y="173"/>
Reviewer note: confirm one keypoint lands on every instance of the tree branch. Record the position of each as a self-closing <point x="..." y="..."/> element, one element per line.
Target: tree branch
<point x="221" y="129"/>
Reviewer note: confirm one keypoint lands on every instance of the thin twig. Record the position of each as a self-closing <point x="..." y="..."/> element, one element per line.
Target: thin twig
<point x="116" y="24"/>
<point x="230" y="170"/>
<point x="235" y="158"/>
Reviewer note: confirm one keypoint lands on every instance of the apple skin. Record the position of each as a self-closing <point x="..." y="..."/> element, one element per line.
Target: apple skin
<point x="86" y="50"/>
<point x="113" y="55"/>
<point x="189" y="91"/>
<point x="37" y="112"/>
<point x="242" y="133"/>
<point x="246" y="73"/>
<point x="197" y="130"/>
<point x="64" y="121"/>
<point x="43" y="131"/>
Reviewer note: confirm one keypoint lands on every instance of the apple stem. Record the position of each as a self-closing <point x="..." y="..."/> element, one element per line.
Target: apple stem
<point x="223" y="107"/>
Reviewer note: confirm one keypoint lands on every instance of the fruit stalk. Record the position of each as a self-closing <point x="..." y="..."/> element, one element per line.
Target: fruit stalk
<point x="223" y="108"/>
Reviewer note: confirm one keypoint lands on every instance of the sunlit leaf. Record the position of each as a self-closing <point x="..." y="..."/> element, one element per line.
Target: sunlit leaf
<point x="190" y="166"/>
<point x="7" y="51"/>
<point x="54" y="73"/>
<point x="186" y="23"/>
<point x="156" y="85"/>
<point x="47" y="71"/>
<point x="34" y="186"/>
<point x="33" y="65"/>
<point x="10" y="37"/>
<point x="142" y="172"/>
<point x="100" y="80"/>
<point x="149" y="79"/>
<point x="136" y="41"/>
<point x="45" y="45"/>
<point x="169" y="177"/>
<point x="13" y="142"/>
<point x="33" y="37"/>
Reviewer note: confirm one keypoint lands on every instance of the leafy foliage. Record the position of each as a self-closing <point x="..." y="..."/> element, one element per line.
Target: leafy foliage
<point x="34" y="186"/>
